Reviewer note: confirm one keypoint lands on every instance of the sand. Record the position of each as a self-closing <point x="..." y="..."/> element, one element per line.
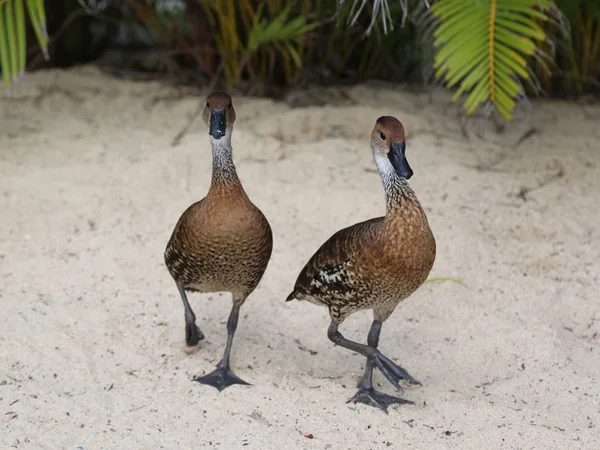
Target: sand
<point x="92" y="350"/>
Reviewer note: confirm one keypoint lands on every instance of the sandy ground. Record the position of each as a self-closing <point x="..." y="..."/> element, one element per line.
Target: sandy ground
<point x="92" y="350"/>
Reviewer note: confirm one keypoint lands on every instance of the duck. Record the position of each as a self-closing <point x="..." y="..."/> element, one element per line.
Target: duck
<point x="222" y="243"/>
<point x="375" y="264"/>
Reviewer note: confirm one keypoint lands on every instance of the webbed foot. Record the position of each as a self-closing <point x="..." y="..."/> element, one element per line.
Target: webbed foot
<point x="221" y="378"/>
<point x="378" y="399"/>
<point x="193" y="335"/>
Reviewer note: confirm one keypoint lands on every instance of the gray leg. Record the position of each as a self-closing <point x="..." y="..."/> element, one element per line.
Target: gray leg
<point x="222" y="376"/>
<point x="366" y="382"/>
<point x="394" y="373"/>
<point x="193" y="335"/>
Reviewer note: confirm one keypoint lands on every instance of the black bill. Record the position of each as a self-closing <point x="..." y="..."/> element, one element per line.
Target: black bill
<point x="397" y="157"/>
<point x="218" y="124"/>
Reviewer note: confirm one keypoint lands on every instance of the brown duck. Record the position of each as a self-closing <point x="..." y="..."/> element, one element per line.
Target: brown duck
<point x="222" y="243"/>
<point x="374" y="264"/>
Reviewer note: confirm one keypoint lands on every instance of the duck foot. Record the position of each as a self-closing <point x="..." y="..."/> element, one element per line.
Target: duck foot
<point x="221" y="378"/>
<point x="392" y="371"/>
<point x="193" y="335"/>
<point x="377" y="399"/>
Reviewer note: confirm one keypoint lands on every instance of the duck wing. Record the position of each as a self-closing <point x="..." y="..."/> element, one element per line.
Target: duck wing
<point x="329" y="272"/>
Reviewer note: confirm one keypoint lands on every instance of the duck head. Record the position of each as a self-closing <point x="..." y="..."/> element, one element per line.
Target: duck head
<point x="218" y="114"/>
<point x="389" y="147"/>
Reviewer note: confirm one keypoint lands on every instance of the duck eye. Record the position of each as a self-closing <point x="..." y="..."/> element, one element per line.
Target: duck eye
<point x="382" y="135"/>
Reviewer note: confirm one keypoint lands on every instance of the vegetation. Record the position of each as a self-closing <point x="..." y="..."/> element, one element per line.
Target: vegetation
<point x="490" y="52"/>
<point x="483" y="48"/>
<point x="576" y="57"/>
<point x="13" y="50"/>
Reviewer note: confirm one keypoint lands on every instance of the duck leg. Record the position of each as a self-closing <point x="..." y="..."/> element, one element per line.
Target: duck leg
<point x="222" y="376"/>
<point x="366" y="393"/>
<point x="393" y="372"/>
<point x="193" y="335"/>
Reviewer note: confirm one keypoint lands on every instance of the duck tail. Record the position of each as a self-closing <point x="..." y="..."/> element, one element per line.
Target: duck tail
<point x="292" y="296"/>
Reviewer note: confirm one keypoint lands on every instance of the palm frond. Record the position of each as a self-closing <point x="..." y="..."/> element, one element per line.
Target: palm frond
<point x="454" y="280"/>
<point x="282" y="33"/>
<point x="484" y="45"/>
<point x="254" y="38"/>
<point x="278" y="30"/>
<point x="13" y="50"/>
<point x="380" y="10"/>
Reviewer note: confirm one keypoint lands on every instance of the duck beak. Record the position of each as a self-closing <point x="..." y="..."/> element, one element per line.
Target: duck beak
<point x="218" y="123"/>
<point x="397" y="157"/>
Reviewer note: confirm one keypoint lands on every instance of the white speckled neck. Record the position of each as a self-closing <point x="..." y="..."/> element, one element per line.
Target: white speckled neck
<point x="396" y="187"/>
<point x="223" y="168"/>
<point x="386" y="170"/>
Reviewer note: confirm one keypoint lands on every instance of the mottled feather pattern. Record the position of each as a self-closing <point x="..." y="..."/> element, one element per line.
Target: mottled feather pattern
<point x="331" y="277"/>
<point x="373" y="264"/>
<point x="220" y="245"/>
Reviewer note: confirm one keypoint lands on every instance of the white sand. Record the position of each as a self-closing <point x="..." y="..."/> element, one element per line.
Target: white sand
<point x="92" y="350"/>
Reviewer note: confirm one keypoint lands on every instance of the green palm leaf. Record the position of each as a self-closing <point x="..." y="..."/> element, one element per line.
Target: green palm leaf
<point x="483" y="47"/>
<point x="278" y="31"/>
<point x="13" y="51"/>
